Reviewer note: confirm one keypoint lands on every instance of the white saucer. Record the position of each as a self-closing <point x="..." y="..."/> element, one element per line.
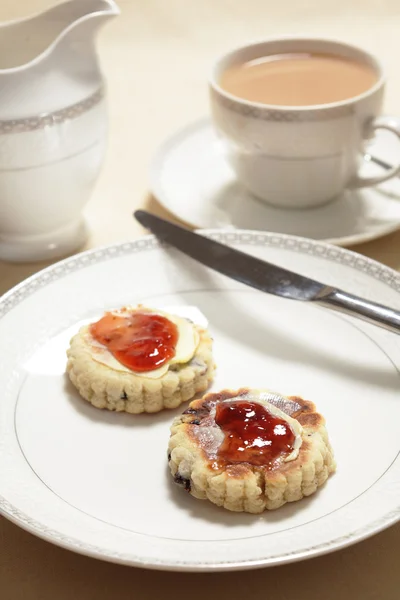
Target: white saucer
<point x="191" y="179"/>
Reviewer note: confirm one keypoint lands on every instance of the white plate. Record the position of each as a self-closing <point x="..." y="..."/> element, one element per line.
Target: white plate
<point x="191" y="179"/>
<point x="97" y="482"/>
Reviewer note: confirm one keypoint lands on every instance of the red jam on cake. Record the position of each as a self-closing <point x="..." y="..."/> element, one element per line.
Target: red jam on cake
<point x="141" y="341"/>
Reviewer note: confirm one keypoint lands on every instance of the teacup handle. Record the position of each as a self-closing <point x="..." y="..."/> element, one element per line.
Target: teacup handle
<point x="390" y="124"/>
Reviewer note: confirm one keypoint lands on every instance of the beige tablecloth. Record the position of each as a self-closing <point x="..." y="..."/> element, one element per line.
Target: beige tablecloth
<point x="156" y="57"/>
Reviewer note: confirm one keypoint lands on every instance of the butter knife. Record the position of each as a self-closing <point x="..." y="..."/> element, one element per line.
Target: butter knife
<point x="265" y="276"/>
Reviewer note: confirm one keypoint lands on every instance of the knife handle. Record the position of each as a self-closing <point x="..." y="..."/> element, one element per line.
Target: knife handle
<point x="375" y="313"/>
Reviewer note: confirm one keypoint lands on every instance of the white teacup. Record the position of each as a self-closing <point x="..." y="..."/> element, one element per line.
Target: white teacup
<point x="302" y="156"/>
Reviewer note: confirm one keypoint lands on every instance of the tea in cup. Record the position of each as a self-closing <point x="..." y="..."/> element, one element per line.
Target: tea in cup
<point x="294" y="115"/>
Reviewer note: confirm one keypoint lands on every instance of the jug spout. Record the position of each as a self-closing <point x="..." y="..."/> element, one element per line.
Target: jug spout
<point x="49" y="61"/>
<point x="38" y="36"/>
<point x="83" y="18"/>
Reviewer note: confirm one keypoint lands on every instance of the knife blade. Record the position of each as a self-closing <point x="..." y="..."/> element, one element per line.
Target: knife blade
<point x="265" y="276"/>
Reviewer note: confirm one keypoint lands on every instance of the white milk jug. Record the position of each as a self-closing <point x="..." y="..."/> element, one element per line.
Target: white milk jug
<point x="53" y="128"/>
